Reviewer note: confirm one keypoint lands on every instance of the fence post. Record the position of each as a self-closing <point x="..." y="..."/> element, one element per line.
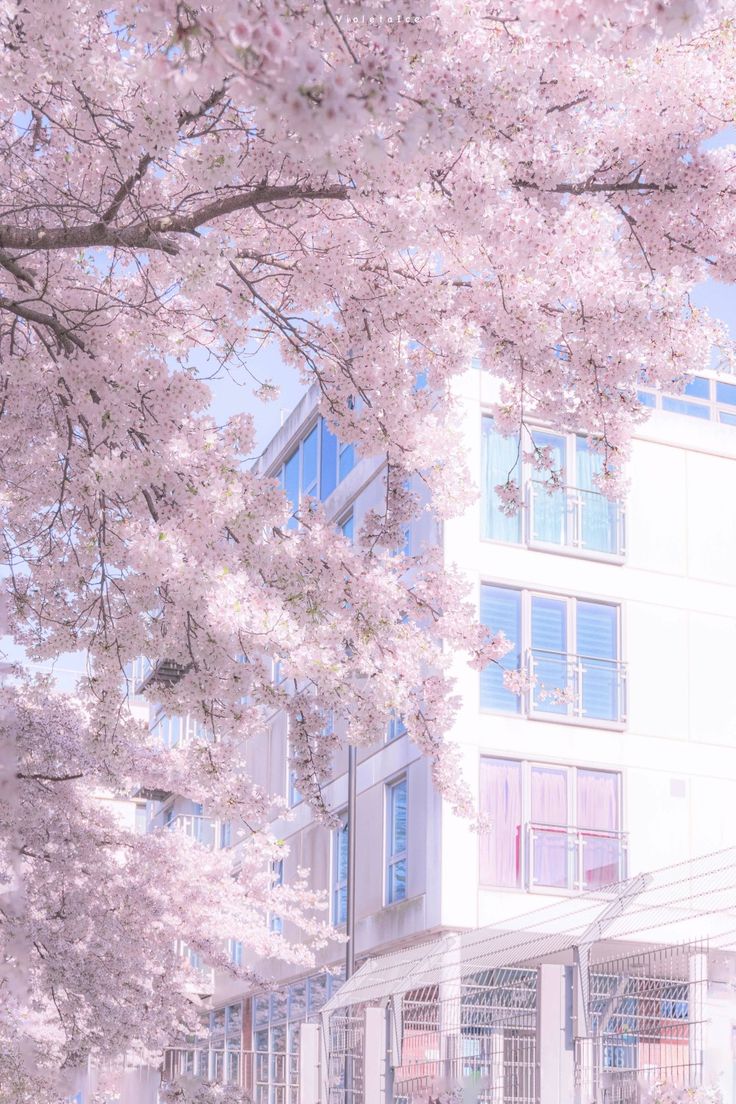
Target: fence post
<point x="374" y="1056"/>
<point x="697" y="987"/>
<point x="309" y="1064"/>
<point x="555" y="1057"/>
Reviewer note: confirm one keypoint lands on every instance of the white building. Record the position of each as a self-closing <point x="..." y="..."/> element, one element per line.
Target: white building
<point x="621" y="758"/>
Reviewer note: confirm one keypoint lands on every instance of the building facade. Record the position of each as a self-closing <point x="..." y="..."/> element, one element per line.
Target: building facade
<point x="618" y="756"/>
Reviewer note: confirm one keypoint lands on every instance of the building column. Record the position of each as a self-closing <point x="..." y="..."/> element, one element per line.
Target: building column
<point x="309" y="1045"/>
<point x="555" y="1053"/>
<point x="374" y="1056"/>
<point x="697" y="976"/>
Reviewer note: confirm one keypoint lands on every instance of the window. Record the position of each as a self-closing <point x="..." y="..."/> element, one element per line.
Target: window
<point x="396" y="836"/>
<point x="568" y="647"/>
<point x="292" y="793"/>
<point x="347" y="527"/>
<point x="275" y="922"/>
<point x="395" y="728"/>
<point x="174" y="731"/>
<point x="573" y="516"/>
<point x="552" y="826"/>
<point x="235" y="951"/>
<point x="315" y="467"/>
<point x="340" y="872"/>
<point x="702" y="397"/>
<point x="226" y="833"/>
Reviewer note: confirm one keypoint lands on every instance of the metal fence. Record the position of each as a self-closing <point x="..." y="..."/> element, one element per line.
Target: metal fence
<point x="646" y="1015"/>
<point x="346" y="1048"/>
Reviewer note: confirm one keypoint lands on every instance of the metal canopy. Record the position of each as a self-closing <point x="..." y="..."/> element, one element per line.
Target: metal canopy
<point x="688" y="901"/>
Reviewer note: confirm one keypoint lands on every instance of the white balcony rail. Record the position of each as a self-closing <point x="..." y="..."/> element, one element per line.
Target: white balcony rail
<point x="575" y="518"/>
<point x="588" y="689"/>
<point x="564" y="857"/>
<point x="199" y="828"/>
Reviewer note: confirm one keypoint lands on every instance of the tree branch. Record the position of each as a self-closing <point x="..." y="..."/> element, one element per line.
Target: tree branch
<point x="153" y="233"/>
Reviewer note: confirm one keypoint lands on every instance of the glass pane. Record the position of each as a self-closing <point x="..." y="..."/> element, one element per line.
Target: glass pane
<point x="260" y="1011"/>
<point x="597" y="630"/>
<point x="598" y="524"/>
<point x="347" y="461"/>
<point x="549" y="647"/>
<point x="726" y="393"/>
<point x="500" y="461"/>
<point x="398" y="818"/>
<point x="727" y="419"/>
<point x="680" y="406"/>
<point x="348" y="529"/>
<point x="602" y="860"/>
<point x="500" y="801"/>
<point x="317" y="987"/>
<point x="646" y="398"/>
<point x="291" y="485"/>
<point x="549" y="796"/>
<point x="328" y="461"/>
<point x="278" y="1004"/>
<point x="500" y="610"/>
<point x="397" y="881"/>
<point x="309" y="464"/>
<point x="698" y="387"/>
<point x="549" y="511"/>
<point x="600" y="689"/>
<point x="551" y="857"/>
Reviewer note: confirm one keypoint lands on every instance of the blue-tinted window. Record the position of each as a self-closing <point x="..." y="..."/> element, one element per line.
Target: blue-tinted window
<point x="726" y="393"/>
<point x="346" y="462"/>
<point x="309" y="464"/>
<point x="597" y="643"/>
<point x="396" y="873"/>
<point x="500" y="462"/>
<point x="646" y="398"/>
<point x="726" y="418"/>
<point x="680" y="406"/>
<point x="500" y="610"/>
<point x="328" y="461"/>
<point x="291" y="485"/>
<point x="340" y="874"/>
<point x="395" y="728"/>
<point x="698" y="387"/>
<point x="348" y="528"/>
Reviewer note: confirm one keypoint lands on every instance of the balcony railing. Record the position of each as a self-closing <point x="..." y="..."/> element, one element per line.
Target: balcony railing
<point x="582" y="521"/>
<point x="200" y="828"/>
<point x="588" y="689"/>
<point x="562" y="857"/>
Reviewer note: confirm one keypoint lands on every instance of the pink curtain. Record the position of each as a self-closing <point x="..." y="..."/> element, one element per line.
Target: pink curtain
<point x="550" y="865"/>
<point x="500" y="801"/>
<point x="598" y="810"/>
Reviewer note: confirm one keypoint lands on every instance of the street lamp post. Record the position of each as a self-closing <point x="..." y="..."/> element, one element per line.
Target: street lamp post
<point x="350" y="910"/>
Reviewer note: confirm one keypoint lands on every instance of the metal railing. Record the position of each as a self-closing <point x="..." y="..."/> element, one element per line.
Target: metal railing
<point x="576" y="518"/>
<point x="576" y="687"/>
<point x="199" y="828"/>
<point x="565" y="857"/>
<point x="268" y="1076"/>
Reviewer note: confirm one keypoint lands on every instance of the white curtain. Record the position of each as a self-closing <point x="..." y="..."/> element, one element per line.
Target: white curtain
<point x="598" y="810"/>
<point x="500" y="461"/>
<point x="550" y="864"/>
<point x="500" y="801"/>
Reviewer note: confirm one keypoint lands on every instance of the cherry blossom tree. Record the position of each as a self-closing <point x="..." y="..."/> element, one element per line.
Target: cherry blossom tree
<point x="381" y="192"/>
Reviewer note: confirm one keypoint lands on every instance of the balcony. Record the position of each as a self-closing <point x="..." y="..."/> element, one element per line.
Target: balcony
<point x="576" y="688"/>
<point x="574" y="859"/>
<point x="571" y="519"/>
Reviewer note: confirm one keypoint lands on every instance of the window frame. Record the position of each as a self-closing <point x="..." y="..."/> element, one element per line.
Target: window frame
<point x="345" y="458"/>
<point x="525" y="647"/>
<point x="525" y="882"/>
<point x="526" y="480"/>
<point x="391" y="859"/>
<point x="336" y="884"/>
